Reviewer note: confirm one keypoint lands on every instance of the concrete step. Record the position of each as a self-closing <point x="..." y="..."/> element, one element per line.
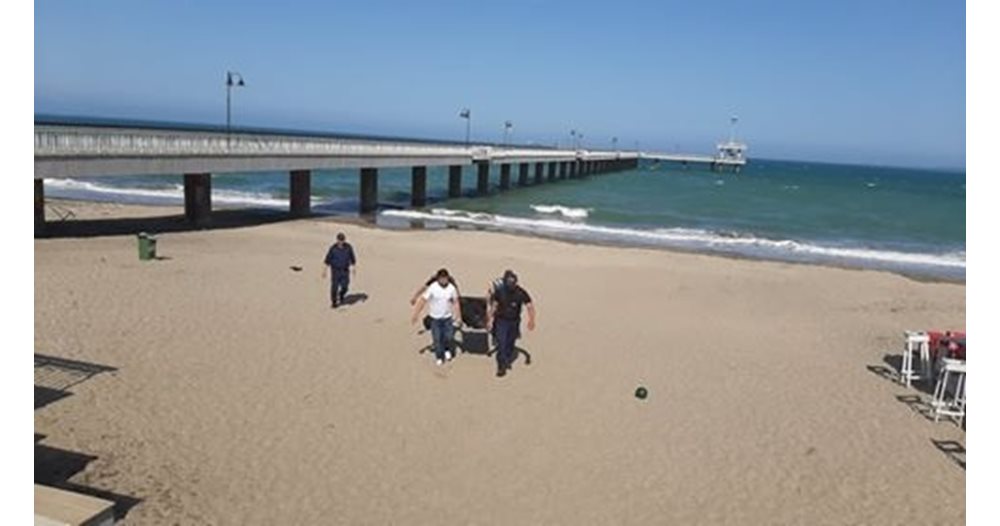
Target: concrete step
<point x="56" y="507"/>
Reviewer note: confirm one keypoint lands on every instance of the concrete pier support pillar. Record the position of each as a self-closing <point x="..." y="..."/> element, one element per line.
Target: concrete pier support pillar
<point x="483" y="182"/>
<point x="505" y="176"/>
<point x="369" y="190"/>
<point x="539" y="172"/>
<point x="198" y="198"/>
<point x="300" y="190"/>
<point x="418" y="192"/>
<point x="562" y="169"/>
<point x="39" y="206"/>
<point x="522" y="174"/>
<point x="574" y="167"/>
<point x="455" y="180"/>
<point x="552" y="171"/>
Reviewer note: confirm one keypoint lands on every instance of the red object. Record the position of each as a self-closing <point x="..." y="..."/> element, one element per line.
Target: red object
<point x="950" y="342"/>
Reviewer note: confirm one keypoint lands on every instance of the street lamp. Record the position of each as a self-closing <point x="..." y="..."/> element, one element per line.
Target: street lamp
<point x="232" y="79"/>
<point x="507" y="125"/>
<point x="466" y="114"/>
<point x="572" y="135"/>
<point x="614" y="143"/>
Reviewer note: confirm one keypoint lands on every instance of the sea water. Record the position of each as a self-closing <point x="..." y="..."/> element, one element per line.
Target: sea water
<point x="905" y="220"/>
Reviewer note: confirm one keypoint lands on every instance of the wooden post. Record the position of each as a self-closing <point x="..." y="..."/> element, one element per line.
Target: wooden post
<point x="418" y="192"/>
<point x="522" y="174"/>
<point x="539" y="172"/>
<point x="369" y="190"/>
<point x="39" y="206"/>
<point x="455" y="180"/>
<point x="505" y="176"/>
<point x="198" y="198"/>
<point x="483" y="182"/>
<point x="300" y="189"/>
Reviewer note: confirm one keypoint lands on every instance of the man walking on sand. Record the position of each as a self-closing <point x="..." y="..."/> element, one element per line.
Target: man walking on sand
<point x="442" y="303"/>
<point x="340" y="259"/>
<point x="504" y="314"/>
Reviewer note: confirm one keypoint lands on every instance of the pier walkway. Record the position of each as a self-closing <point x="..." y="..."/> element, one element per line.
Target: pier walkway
<point x="75" y="150"/>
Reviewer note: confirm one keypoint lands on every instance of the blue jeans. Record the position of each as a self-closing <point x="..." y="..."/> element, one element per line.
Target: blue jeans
<point x="339" y="280"/>
<point x="506" y="333"/>
<point x="442" y="332"/>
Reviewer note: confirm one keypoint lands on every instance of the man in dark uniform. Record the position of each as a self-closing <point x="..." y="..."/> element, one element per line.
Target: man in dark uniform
<point x="340" y="259"/>
<point x="504" y="315"/>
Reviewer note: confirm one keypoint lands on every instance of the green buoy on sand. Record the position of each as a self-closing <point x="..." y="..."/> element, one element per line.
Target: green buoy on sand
<point x="641" y="393"/>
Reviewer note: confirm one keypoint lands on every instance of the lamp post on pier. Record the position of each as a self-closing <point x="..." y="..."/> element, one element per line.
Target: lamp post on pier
<point x="232" y="79"/>
<point x="507" y="125"/>
<point x="466" y="114"/>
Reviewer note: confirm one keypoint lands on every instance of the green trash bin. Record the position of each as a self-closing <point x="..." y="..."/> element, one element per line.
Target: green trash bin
<point x="147" y="246"/>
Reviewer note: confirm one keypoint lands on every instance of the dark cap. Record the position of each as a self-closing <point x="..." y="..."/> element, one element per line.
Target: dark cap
<point x="509" y="275"/>
<point x="443" y="273"/>
<point x="341" y="236"/>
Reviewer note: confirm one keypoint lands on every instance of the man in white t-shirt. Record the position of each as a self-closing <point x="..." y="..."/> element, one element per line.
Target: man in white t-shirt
<point x="441" y="299"/>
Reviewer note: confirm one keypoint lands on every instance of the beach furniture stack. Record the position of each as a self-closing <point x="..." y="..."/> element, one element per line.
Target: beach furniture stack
<point x="941" y="362"/>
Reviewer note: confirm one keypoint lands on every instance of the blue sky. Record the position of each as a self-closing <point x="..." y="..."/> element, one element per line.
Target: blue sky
<point x="879" y="82"/>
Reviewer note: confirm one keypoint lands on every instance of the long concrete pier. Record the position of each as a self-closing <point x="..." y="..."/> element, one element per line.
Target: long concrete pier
<point x="64" y="151"/>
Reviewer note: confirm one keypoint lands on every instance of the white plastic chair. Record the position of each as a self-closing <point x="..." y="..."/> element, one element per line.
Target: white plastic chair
<point x="915" y="342"/>
<point x="941" y="403"/>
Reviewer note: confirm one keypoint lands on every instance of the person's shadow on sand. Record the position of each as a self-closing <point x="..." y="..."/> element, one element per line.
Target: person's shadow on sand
<point x="354" y="297"/>
<point x="456" y="344"/>
<point x="517" y="353"/>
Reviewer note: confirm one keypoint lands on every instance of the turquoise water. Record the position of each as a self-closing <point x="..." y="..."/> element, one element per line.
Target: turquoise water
<point x="898" y="219"/>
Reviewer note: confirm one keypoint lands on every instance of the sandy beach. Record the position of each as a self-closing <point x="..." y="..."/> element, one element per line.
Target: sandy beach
<point x="237" y="396"/>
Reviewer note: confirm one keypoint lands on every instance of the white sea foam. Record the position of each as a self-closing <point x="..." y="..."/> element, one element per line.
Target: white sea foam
<point x="698" y="239"/>
<point x="565" y="211"/>
<point x="73" y="188"/>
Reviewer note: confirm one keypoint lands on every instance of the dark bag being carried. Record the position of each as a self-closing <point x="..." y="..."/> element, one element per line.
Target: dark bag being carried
<point x="474" y="336"/>
<point x="473" y="312"/>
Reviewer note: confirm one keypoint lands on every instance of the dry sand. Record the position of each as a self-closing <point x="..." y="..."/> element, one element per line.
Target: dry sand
<point x="240" y="397"/>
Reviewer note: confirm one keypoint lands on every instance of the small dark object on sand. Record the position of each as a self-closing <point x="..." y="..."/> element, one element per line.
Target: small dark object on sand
<point x="641" y="393"/>
<point x="296" y="268"/>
